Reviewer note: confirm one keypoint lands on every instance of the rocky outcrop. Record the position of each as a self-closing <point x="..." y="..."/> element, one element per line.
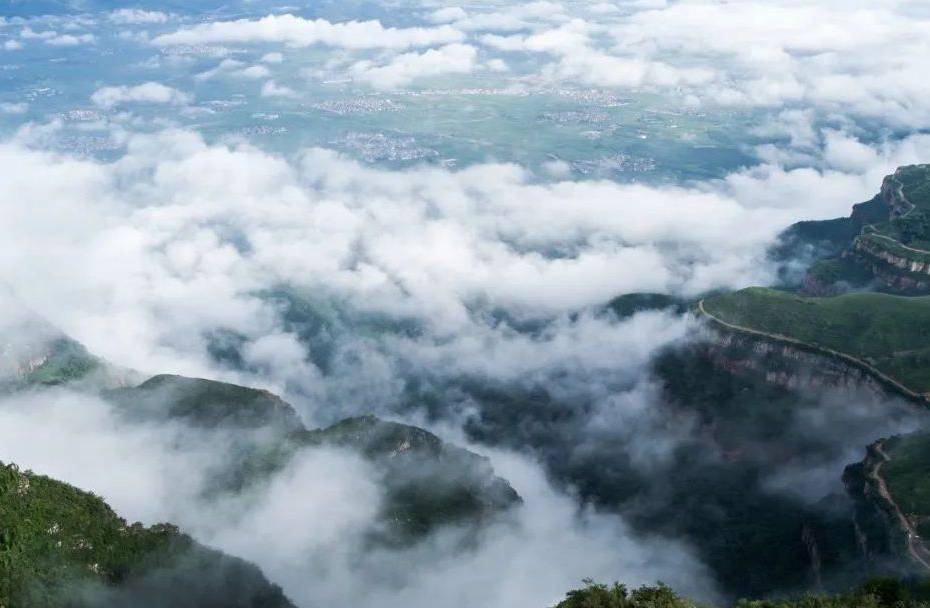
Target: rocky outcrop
<point x="891" y="195"/>
<point x="901" y="262"/>
<point x="786" y="365"/>
<point x="881" y="537"/>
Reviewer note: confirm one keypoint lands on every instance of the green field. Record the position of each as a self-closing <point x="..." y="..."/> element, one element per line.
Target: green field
<point x="890" y="333"/>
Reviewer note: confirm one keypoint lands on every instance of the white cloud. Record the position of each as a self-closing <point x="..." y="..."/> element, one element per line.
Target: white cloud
<point x="272" y="89"/>
<point x="403" y="69"/>
<point x="448" y="14"/>
<point x="272" y="58"/>
<point x="255" y="71"/>
<point x="12" y="45"/>
<point x="298" y="32"/>
<point x="225" y="66"/>
<point x="141" y="258"/>
<point x="71" y="40"/>
<point x="150" y="93"/>
<point x="13" y="108"/>
<point x="305" y="527"/>
<point x="134" y="16"/>
<point x="825" y="55"/>
<point x="27" y="33"/>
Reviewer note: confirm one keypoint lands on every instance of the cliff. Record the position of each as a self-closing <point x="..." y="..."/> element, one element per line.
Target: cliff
<point x="892" y="510"/>
<point x="884" y="243"/>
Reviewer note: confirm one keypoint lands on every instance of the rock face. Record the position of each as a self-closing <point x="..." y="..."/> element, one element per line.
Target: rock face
<point x="896" y="271"/>
<point x="785" y="365"/>
<point x="883" y="539"/>
<point x="879" y="244"/>
<point x="62" y="547"/>
<point x="890" y="487"/>
<point x="891" y="194"/>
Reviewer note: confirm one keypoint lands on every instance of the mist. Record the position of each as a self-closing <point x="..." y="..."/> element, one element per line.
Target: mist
<point x="306" y="526"/>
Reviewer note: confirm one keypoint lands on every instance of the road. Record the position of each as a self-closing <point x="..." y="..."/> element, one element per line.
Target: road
<point x="820" y="349"/>
<point x="915" y="547"/>
<point x="870" y="228"/>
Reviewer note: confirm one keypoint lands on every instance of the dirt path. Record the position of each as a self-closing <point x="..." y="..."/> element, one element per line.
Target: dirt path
<point x="876" y="233"/>
<point x="914" y="547"/>
<point x="820" y="349"/>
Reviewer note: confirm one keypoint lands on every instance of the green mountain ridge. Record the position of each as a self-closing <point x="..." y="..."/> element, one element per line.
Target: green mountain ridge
<point x="884" y="244"/>
<point x="427" y="484"/>
<point x="888" y="335"/>
<point x="60" y="546"/>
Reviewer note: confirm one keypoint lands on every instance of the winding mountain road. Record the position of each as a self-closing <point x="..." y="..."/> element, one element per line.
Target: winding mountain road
<point x="915" y="547"/>
<point x="872" y="230"/>
<point x="868" y="367"/>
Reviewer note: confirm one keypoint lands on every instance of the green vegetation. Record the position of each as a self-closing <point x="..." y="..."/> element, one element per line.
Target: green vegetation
<point x="891" y="333"/>
<point x="828" y="238"/>
<point x="68" y="361"/>
<point x="60" y="547"/>
<point x="828" y="247"/>
<point x="629" y="304"/>
<point x="595" y="595"/>
<point x="915" y="184"/>
<point x="912" y="225"/>
<point x="838" y="273"/>
<point x="876" y="593"/>
<point x="206" y="403"/>
<point x="427" y="483"/>
<point x="891" y="238"/>
<point x="906" y="477"/>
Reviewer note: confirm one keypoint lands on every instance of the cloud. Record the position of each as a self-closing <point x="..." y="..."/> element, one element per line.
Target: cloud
<point x="27" y="33"/>
<point x="272" y="58"/>
<point x="305" y="527"/>
<point x="71" y="40"/>
<point x="149" y="93"/>
<point x="172" y="240"/>
<point x="12" y="45"/>
<point x="405" y="68"/>
<point x="13" y="108"/>
<point x="298" y="32"/>
<point x="134" y="16"/>
<point x="255" y="71"/>
<point x="448" y="14"/>
<point x="272" y="89"/>
<point x="824" y="55"/>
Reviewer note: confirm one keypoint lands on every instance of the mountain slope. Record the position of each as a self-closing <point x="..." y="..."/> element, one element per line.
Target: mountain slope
<point x="60" y="547"/>
<point x="427" y="483"/>
<point x="888" y="336"/>
<point x="884" y="244"/>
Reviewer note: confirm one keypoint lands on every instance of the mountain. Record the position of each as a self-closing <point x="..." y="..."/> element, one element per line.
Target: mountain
<point x="884" y="244"/>
<point x="61" y="547"/>
<point x="206" y="403"/>
<point x="892" y="492"/>
<point x="882" y="335"/>
<point x="34" y="353"/>
<point x="427" y="483"/>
